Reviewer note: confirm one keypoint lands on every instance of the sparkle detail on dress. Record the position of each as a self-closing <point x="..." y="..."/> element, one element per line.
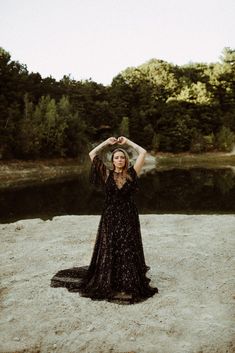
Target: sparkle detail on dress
<point x="119" y="178"/>
<point x="117" y="270"/>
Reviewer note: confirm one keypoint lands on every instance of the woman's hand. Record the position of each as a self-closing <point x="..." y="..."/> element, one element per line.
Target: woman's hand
<point x="121" y="140"/>
<point x="142" y="152"/>
<point x="97" y="149"/>
<point x="112" y="140"/>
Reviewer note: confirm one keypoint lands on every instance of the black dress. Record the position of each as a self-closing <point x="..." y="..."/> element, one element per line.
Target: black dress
<point x="117" y="270"/>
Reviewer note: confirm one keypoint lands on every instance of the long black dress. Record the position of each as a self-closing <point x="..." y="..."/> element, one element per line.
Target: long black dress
<point x="117" y="270"/>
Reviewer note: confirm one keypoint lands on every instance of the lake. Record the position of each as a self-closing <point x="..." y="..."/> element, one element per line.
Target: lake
<point x="190" y="191"/>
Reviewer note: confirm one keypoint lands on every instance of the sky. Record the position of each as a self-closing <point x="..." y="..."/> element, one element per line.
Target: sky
<point x="97" y="39"/>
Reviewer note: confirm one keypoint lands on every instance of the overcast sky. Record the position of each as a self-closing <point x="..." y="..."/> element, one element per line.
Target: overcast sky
<point x="99" y="38"/>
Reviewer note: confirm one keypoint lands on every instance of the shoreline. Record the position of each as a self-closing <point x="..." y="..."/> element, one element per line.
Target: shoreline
<point x="19" y="173"/>
<point x="191" y="260"/>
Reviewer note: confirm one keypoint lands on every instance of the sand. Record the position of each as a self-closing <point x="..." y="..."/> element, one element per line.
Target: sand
<point x="191" y="259"/>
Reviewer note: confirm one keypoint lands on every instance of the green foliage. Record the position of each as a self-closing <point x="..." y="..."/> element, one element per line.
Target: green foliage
<point x="124" y="127"/>
<point x="195" y="93"/>
<point x="202" y="143"/>
<point x="209" y="142"/>
<point x="225" y="139"/>
<point x="228" y="56"/>
<point x="159" y="105"/>
<point x="148" y="135"/>
<point x="156" y="141"/>
<point x="51" y="129"/>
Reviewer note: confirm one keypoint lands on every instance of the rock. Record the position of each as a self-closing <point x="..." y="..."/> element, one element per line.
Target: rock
<point x="10" y="318"/>
<point x="90" y="328"/>
<point x="19" y="226"/>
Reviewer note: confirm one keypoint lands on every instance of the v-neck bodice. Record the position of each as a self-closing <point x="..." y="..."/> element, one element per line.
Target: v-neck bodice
<point x="125" y="192"/>
<point x="119" y="179"/>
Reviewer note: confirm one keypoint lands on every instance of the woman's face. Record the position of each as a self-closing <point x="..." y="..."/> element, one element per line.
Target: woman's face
<point x="119" y="159"/>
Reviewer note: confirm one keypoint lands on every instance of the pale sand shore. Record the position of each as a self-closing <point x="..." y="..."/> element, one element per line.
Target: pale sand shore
<point x="191" y="264"/>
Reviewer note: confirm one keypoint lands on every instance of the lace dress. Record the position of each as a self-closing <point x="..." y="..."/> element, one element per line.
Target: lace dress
<point x="117" y="270"/>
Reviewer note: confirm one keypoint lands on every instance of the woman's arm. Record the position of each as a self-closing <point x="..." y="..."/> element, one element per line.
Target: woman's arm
<point x="95" y="151"/>
<point x="142" y="152"/>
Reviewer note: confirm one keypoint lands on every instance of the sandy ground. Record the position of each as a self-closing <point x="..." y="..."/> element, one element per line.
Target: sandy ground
<point x="191" y="264"/>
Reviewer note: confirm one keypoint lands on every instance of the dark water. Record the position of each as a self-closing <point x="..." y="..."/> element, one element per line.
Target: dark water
<point x="192" y="191"/>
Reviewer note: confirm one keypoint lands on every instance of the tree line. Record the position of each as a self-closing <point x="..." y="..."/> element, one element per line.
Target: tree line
<point x="161" y="106"/>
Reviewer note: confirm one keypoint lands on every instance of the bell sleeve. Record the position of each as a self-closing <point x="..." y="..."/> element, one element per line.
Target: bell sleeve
<point x="134" y="177"/>
<point x="98" y="172"/>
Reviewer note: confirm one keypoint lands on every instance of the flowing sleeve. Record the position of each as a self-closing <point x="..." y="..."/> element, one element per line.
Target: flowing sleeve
<point x="98" y="171"/>
<point x="134" y="177"/>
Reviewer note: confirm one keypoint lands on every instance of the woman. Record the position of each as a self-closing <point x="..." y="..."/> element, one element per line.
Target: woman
<point x="117" y="270"/>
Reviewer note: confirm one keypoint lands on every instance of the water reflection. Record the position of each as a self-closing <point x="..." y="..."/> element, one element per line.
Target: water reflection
<point x="194" y="190"/>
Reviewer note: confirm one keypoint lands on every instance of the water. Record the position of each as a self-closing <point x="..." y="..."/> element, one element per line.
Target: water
<point x="192" y="191"/>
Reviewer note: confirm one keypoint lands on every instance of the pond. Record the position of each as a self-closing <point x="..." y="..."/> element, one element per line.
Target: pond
<point x="189" y="191"/>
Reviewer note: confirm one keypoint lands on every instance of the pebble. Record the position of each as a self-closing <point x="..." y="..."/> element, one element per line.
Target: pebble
<point x="132" y="338"/>
<point x="16" y="339"/>
<point x="19" y="226"/>
<point x="10" y="318"/>
<point x="91" y="328"/>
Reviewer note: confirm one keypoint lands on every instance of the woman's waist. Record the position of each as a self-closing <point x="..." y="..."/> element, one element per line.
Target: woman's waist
<point x="118" y="198"/>
<point x="118" y="206"/>
<point x="113" y="202"/>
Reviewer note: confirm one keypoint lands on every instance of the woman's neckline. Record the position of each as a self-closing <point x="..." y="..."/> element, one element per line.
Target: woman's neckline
<point x="118" y="172"/>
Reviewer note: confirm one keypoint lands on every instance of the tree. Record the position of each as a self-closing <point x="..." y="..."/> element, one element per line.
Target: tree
<point x="158" y="104"/>
<point x="225" y="139"/>
<point x="124" y="127"/>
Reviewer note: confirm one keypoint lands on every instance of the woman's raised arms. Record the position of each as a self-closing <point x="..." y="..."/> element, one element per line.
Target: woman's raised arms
<point x="142" y="152"/>
<point x="95" y="151"/>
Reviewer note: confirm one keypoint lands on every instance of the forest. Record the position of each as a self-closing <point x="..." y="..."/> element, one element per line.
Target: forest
<point x="161" y="106"/>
